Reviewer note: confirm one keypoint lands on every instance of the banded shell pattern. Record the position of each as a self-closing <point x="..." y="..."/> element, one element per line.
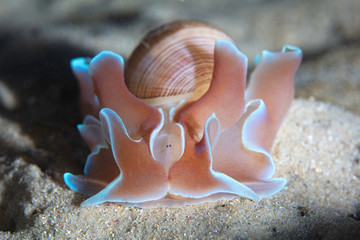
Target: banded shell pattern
<point x="175" y="59"/>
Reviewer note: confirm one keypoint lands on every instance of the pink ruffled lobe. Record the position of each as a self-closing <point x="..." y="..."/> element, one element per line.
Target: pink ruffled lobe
<point x="141" y="178"/>
<point x="226" y="89"/>
<point x="273" y="82"/>
<point x="90" y="131"/>
<point x="266" y="188"/>
<point x="239" y="157"/>
<point x="243" y="151"/>
<point x="193" y="176"/>
<point x="100" y="168"/>
<point x="111" y="175"/>
<point x="244" y="160"/>
<point x="88" y="101"/>
<point x="107" y="72"/>
<point x="99" y="171"/>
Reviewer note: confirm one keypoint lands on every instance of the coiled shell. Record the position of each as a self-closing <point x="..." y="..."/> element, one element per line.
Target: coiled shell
<point x="174" y="59"/>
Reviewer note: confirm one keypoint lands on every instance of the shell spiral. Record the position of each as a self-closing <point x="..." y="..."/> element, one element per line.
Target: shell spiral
<point x="174" y="59"/>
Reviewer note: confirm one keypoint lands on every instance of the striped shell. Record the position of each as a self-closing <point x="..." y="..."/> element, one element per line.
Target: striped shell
<point x="174" y="59"/>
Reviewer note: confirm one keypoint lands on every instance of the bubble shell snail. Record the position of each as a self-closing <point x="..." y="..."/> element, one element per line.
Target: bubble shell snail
<point x="180" y="128"/>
